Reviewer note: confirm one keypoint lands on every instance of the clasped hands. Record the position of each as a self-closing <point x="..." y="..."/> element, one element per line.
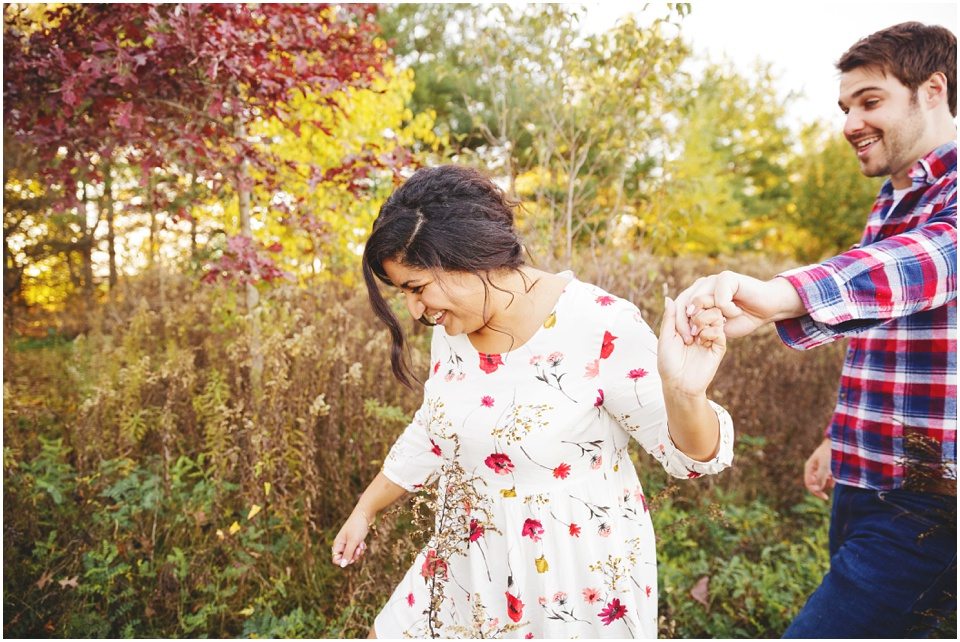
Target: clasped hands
<point x="745" y="303"/>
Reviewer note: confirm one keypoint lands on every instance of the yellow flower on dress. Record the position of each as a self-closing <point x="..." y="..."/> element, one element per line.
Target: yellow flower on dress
<point x="542" y="566"/>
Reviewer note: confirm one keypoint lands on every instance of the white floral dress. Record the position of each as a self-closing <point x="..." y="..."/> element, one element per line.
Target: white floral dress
<point x="542" y="528"/>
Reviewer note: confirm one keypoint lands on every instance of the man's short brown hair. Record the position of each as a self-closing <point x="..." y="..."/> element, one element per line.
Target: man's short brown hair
<point x="912" y="52"/>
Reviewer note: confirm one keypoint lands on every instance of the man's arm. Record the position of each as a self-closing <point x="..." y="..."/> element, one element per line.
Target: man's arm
<point x="897" y="276"/>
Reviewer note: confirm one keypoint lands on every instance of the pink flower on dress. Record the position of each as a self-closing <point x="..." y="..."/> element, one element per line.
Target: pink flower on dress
<point x="599" y="401"/>
<point x="592" y="370"/>
<point x="637" y="373"/>
<point x="574" y="530"/>
<point x="561" y="471"/>
<point x="560" y="597"/>
<point x="499" y="463"/>
<point x="436" y="449"/>
<point x="542" y="601"/>
<point x="476" y="530"/>
<point x="613" y="611"/>
<point x="490" y="362"/>
<point x="591" y="595"/>
<point x="461" y="376"/>
<point x="410" y="599"/>
<point x="555" y="358"/>
<point x="604" y="530"/>
<point x="605" y="300"/>
<point x="596" y="461"/>
<point x="533" y="529"/>
<point x="486" y="401"/>
<point x="535" y="360"/>
<point x="448" y="376"/>
<point x="606" y="349"/>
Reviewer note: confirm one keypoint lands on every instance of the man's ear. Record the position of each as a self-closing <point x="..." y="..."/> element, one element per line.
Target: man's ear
<point x="933" y="91"/>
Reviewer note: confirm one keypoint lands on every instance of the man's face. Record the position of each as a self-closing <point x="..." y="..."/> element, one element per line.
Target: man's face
<point x="885" y="123"/>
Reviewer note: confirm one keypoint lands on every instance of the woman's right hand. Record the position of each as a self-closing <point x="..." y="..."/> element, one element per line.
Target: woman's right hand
<point x="349" y="544"/>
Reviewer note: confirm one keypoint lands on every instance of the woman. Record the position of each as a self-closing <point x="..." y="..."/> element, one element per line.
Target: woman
<point x="536" y="383"/>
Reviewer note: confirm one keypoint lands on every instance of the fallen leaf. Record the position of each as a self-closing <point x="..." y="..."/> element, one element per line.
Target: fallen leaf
<point x="234" y="528"/>
<point x="44" y="579"/>
<point x="254" y="510"/>
<point x="701" y="590"/>
<point x="71" y="582"/>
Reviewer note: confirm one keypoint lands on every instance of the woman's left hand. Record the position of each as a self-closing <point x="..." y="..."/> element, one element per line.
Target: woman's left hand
<point x="689" y="369"/>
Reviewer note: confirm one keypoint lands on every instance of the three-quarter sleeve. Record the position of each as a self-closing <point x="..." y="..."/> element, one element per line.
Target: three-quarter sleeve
<point x="634" y="397"/>
<point x="414" y="457"/>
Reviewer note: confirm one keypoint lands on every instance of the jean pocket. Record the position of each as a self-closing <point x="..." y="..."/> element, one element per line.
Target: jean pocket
<point x="922" y="509"/>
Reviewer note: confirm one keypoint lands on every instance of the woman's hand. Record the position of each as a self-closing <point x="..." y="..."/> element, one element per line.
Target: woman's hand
<point x="689" y="369"/>
<point x="349" y="545"/>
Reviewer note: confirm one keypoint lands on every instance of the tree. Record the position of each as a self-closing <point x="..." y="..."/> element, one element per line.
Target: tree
<point x="831" y="198"/>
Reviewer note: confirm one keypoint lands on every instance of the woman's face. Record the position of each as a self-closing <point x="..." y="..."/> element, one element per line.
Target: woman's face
<point x="452" y="299"/>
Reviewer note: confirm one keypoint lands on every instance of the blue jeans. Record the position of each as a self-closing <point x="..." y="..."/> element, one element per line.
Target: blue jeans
<point x="893" y="567"/>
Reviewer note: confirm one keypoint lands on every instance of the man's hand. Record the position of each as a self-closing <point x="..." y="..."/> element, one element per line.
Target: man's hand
<point x="816" y="472"/>
<point x="746" y="303"/>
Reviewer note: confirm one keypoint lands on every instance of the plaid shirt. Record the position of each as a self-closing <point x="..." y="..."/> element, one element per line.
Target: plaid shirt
<point x="895" y="296"/>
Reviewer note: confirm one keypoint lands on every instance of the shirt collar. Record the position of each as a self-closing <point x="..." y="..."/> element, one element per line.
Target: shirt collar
<point x="934" y="165"/>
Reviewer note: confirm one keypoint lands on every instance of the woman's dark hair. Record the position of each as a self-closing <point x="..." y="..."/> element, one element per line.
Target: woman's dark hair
<point x="447" y="218"/>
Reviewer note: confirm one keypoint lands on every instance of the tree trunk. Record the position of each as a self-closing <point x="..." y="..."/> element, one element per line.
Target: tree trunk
<point x="253" y="295"/>
<point x="108" y="210"/>
<point x="85" y="247"/>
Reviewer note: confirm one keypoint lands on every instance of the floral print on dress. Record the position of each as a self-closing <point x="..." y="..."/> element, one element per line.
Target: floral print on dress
<point x="542" y="529"/>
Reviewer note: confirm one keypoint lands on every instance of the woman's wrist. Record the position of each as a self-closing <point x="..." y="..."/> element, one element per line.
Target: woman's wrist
<point x="369" y="516"/>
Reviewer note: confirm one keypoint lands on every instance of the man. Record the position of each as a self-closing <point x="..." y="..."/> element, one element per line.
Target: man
<point x="890" y="453"/>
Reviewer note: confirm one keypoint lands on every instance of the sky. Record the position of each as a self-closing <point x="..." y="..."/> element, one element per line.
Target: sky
<point x="801" y="40"/>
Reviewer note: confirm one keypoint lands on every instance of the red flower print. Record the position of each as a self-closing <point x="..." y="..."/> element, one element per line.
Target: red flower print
<point x="486" y="401"/>
<point x="574" y="530"/>
<point x="533" y="529"/>
<point x="433" y="566"/>
<point x="499" y="463"/>
<point x="599" y="401"/>
<point x="605" y="300"/>
<point x="613" y="611"/>
<point x="410" y="599"/>
<point x="436" y="367"/>
<point x="561" y="471"/>
<point x="692" y="474"/>
<point x="637" y="373"/>
<point x="514" y="607"/>
<point x="476" y="530"/>
<point x="643" y="499"/>
<point x="648" y="590"/>
<point x="606" y="349"/>
<point x="591" y="595"/>
<point x="490" y="362"/>
<point x="528" y="636"/>
<point x="436" y="449"/>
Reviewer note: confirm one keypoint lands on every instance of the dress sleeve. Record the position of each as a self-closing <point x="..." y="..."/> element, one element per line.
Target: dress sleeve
<point x="633" y="396"/>
<point x="414" y="457"/>
<point x="867" y="286"/>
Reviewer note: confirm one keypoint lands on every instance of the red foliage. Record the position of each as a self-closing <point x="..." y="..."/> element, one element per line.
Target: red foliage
<point x="172" y="81"/>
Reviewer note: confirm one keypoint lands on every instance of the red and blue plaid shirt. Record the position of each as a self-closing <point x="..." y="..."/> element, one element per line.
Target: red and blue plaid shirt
<point x="895" y="296"/>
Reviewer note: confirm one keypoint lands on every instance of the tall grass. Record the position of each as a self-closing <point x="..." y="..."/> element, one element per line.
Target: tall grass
<point x="150" y="491"/>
